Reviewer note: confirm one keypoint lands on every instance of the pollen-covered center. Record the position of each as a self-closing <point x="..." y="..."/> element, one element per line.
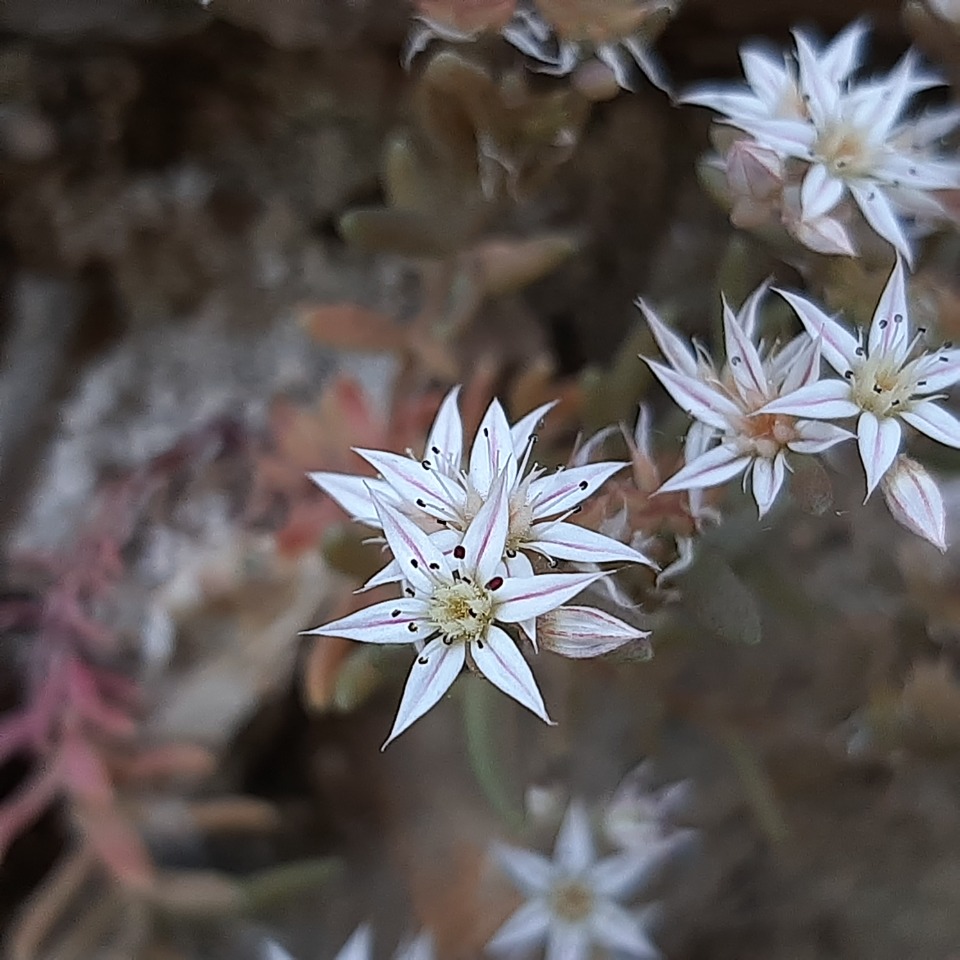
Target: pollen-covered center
<point x="766" y="434"/>
<point x="880" y="386"/>
<point x="462" y="611"/>
<point x="845" y="151"/>
<point x="572" y="901"/>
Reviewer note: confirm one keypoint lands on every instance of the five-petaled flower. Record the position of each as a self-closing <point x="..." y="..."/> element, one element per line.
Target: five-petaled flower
<point x="574" y="900"/>
<point x="732" y="404"/>
<point x="888" y="380"/>
<point x="452" y="606"/>
<point x="846" y="138"/>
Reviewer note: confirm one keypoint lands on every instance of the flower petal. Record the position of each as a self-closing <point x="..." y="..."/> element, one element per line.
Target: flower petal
<point x="821" y="91"/>
<point x="930" y="418"/>
<point x="445" y="440"/>
<point x="582" y="632"/>
<point x="481" y="549"/>
<point x="712" y="468"/>
<point x="675" y="350"/>
<point x="419" y="557"/>
<point x="573" y="851"/>
<point x="878" y="212"/>
<point x="567" y="541"/>
<point x="530" y="872"/>
<point x="527" y="927"/>
<point x="568" y="941"/>
<point x="420" y="948"/>
<point x="353" y="493"/>
<point x="697" y="398"/>
<point x="387" y="622"/>
<point x="915" y="502"/>
<point x="888" y="331"/>
<point x="359" y="946"/>
<point x="430" y="678"/>
<point x="526" y="427"/>
<point x="562" y="490"/>
<point x="837" y="345"/>
<point x="492" y="450"/>
<point x="823" y="400"/>
<point x="804" y="366"/>
<point x="416" y="482"/>
<point x="815" y="437"/>
<point x="520" y="599"/>
<point x="616" y="929"/>
<point x="619" y="876"/>
<point x="937" y="371"/>
<point x="742" y="357"/>
<point x="819" y="192"/>
<point x="879" y="442"/>
<point x="499" y="659"/>
<point x="766" y="480"/>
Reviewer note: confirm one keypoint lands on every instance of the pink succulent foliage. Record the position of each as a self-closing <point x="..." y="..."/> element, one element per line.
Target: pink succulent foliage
<point x="78" y="721"/>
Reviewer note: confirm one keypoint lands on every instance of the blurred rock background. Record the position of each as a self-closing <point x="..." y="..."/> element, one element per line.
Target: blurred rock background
<point x="171" y="180"/>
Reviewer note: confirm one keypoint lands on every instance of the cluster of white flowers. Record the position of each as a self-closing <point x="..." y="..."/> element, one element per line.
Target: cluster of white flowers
<point x="461" y="536"/>
<point x="817" y="139"/>
<point x="557" y="35"/>
<point x="765" y="403"/>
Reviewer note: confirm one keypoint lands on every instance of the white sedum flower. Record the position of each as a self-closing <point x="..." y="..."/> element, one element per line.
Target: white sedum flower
<point x="888" y="380"/>
<point x="574" y="900"/>
<point x="849" y="138"/>
<point x="452" y="607"/>
<point x="360" y="947"/>
<point x="563" y="34"/>
<point x="444" y="496"/>
<point x="727" y="402"/>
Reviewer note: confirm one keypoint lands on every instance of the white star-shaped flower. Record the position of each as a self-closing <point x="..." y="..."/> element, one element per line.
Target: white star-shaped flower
<point x="453" y="605"/>
<point x="574" y="900"/>
<point x="887" y="380"/>
<point x="444" y="496"/>
<point x="850" y="139"/>
<point x="360" y="947"/>
<point x="727" y="403"/>
<point x="561" y="35"/>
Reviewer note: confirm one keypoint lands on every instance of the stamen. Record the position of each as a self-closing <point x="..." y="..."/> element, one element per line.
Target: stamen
<point x="409" y="591"/>
<point x="583" y="484"/>
<point x="495" y="584"/>
<point x="459" y="552"/>
<point x="435" y="451"/>
<point x="415" y="563"/>
<point x="395" y="613"/>
<point x="434" y="566"/>
<point x="848" y="375"/>
<point x="425" y="464"/>
<point x="412" y="627"/>
<point x="422" y="660"/>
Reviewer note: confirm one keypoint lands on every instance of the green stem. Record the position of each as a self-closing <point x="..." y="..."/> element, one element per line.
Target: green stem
<point x="485" y="752"/>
